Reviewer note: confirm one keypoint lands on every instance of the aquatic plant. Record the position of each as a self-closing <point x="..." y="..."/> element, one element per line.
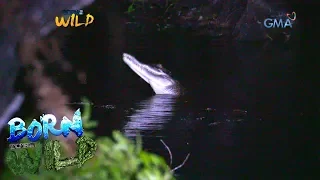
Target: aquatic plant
<point x="117" y="158"/>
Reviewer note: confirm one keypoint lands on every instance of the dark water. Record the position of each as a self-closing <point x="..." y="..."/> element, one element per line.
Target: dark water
<point x="242" y="115"/>
<point x="222" y="144"/>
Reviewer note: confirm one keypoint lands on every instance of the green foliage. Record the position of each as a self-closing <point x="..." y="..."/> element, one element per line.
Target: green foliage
<point x="117" y="158"/>
<point x="131" y="8"/>
<point x="87" y="123"/>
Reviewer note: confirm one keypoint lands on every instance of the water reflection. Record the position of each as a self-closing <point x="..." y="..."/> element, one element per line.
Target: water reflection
<point x="151" y="115"/>
<point x="218" y="140"/>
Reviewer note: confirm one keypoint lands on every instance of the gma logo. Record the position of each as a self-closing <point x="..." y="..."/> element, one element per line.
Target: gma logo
<point x="277" y="23"/>
<point x="73" y="21"/>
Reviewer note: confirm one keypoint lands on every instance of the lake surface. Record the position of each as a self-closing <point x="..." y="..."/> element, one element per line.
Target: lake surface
<point x="242" y="115"/>
<point x="222" y="143"/>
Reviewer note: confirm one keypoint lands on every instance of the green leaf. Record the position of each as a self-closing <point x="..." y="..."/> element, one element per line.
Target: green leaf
<point x="131" y="8"/>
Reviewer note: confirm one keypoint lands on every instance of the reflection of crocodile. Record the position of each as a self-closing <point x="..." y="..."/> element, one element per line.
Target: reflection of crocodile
<point x="152" y="115"/>
<point x="158" y="77"/>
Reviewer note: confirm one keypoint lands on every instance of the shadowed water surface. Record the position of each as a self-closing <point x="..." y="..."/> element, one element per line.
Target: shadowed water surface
<point x="241" y="116"/>
<point x="222" y="143"/>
